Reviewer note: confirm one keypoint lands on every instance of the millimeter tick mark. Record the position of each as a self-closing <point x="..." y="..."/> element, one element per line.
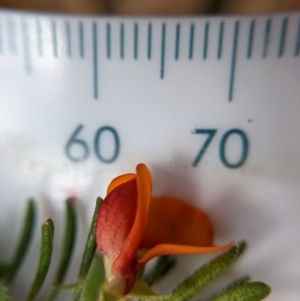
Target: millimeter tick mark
<point x="95" y="56"/>
<point x="81" y="40"/>
<point x="282" y="37"/>
<point x="54" y="39"/>
<point x="233" y="60"/>
<point x="177" y="41"/>
<point x="192" y="29"/>
<point x="68" y="37"/>
<point x="136" y="33"/>
<point x="297" y="47"/>
<point x="250" y="39"/>
<point x="206" y="33"/>
<point x="149" y="41"/>
<point x="221" y="33"/>
<point x="162" y="60"/>
<point x="266" y="38"/>
<point x="122" y="41"/>
<point x="108" y="40"/>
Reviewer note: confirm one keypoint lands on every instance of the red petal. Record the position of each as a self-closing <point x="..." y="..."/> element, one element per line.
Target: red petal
<point x="115" y="219"/>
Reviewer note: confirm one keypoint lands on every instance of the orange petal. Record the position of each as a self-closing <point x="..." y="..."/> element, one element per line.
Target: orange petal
<point x="164" y="249"/>
<point x="123" y="263"/>
<point x="119" y="180"/>
<point x="171" y="221"/>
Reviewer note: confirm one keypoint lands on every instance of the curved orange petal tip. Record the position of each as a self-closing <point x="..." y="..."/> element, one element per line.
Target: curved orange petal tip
<point x="168" y="249"/>
<point x="119" y="180"/>
<point x="132" y="227"/>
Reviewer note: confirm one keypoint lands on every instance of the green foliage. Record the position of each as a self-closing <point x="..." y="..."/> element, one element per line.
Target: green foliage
<point x="162" y="266"/>
<point x="44" y="261"/>
<point x="95" y="280"/>
<point x="25" y="237"/>
<point x="4" y="293"/>
<point x="247" y="291"/>
<point x="206" y="274"/>
<point x="68" y="246"/>
<point x="90" y="285"/>
<point x="89" y="251"/>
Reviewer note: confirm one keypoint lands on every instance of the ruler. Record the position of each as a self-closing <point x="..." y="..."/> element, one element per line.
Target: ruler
<point x="210" y="104"/>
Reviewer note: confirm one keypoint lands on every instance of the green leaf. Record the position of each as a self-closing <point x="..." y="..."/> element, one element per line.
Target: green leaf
<point x="162" y="266"/>
<point x="235" y="283"/>
<point x="4" y="267"/>
<point x="44" y="260"/>
<point x="23" y="242"/>
<point x="89" y="251"/>
<point x="249" y="291"/>
<point x="206" y="274"/>
<point x="68" y="246"/>
<point x="4" y="293"/>
<point x="94" y="281"/>
<point x="192" y="285"/>
<point x="68" y="287"/>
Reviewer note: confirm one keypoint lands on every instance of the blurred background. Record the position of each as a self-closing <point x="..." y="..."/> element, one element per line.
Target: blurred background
<point x="154" y="7"/>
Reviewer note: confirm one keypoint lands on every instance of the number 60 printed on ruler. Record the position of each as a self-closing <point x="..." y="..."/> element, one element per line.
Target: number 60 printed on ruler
<point x="76" y="141"/>
<point x="222" y="147"/>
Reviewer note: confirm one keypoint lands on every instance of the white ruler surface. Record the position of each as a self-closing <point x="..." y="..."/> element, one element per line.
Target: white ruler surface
<point x="210" y="104"/>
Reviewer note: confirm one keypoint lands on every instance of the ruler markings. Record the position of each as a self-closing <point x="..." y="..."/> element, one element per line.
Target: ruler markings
<point x="25" y="34"/>
<point x="191" y="46"/>
<point x="39" y="37"/>
<point x="1" y="38"/>
<point x="108" y="41"/>
<point x="95" y="57"/>
<point x="233" y="60"/>
<point x="26" y="46"/>
<point x="122" y="41"/>
<point x="12" y="43"/>
<point x="282" y="37"/>
<point x="68" y="38"/>
<point x="205" y="44"/>
<point x="250" y="39"/>
<point x="81" y="39"/>
<point x="297" y="46"/>
<point x="136" y="34"/>
<point x="149" y="41"/>
<point x="163" y="42"/>
<point x="266" y="38"/>
<point x="177" y="41"/>
<point x="54" y="38"/>
<point x="220" y="43"/>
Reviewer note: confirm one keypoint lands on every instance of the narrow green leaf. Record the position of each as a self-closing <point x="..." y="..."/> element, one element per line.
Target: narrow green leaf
<point x="203" y="276"/>
<point x="23" y="242"/>
<point x="94" y="281"/>
<point x="68" y="287"/>
<point x="233" y="284"/>
<point x="4" y="293"/>
<point x="44" y="260"/>
<point x="68" y="245"/>
<point x="162" y="266"/>
<point x="89" y="251"/>
<point x="249" y="291"/>
<point x="4" y="267"/>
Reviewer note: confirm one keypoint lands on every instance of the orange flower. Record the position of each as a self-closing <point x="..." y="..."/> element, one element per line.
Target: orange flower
<point x="133" y="227"/>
